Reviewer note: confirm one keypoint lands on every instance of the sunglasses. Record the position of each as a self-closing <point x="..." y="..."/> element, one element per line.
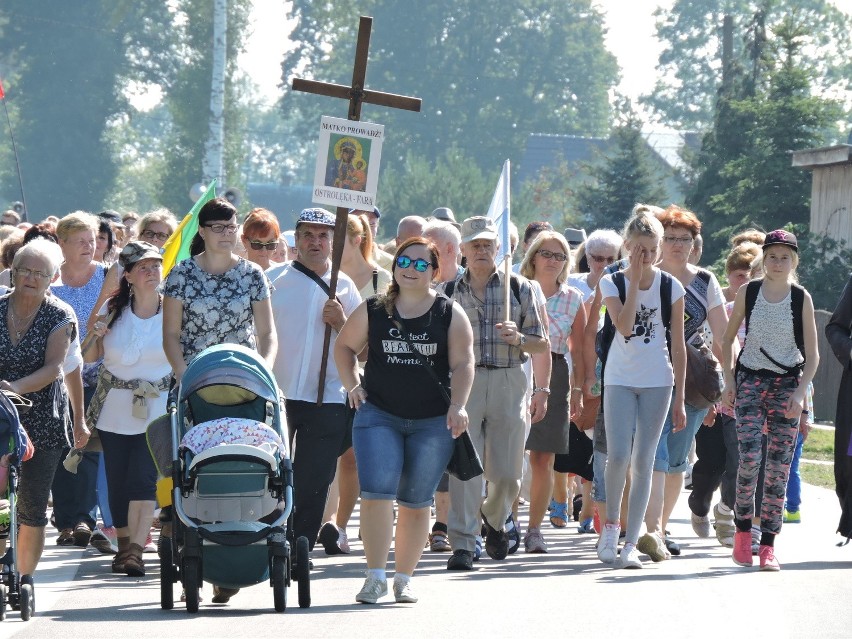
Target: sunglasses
<point x="600" y="258"/>
<point x="259" y="246"/>
<point x="420" y="265"/>
<point x="559" y="257"/>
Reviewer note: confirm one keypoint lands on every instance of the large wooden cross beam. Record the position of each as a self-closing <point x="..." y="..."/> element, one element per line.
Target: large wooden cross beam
<point x="356" y="94"/>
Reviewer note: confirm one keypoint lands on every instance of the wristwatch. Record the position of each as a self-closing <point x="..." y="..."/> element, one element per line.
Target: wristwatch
<point x="522" y="339"/>
<point x="541" y="389"/>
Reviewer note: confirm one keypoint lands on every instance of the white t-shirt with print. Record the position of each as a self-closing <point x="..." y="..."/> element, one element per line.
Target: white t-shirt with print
<point x="642" y="360"/>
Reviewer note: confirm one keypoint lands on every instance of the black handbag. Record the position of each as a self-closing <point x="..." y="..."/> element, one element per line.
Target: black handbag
<point x="464" y="463"/>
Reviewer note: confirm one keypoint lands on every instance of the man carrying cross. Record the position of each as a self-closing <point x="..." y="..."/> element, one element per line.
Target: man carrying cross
<point x="302" y="309"/>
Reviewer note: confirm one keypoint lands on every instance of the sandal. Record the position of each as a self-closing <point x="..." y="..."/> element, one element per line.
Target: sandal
<point x="439" y="541"/>
<point x="559" y="515"/>
<point x="133" y="565"/>
<point x="118" y="561"/>
<point x="66" y="537"/>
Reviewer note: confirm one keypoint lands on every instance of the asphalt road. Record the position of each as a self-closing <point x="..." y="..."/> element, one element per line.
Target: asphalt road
<point x="565" y="593"/>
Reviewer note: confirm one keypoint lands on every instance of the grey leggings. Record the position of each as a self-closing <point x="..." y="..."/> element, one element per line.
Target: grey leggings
<point x="633" y="419"/>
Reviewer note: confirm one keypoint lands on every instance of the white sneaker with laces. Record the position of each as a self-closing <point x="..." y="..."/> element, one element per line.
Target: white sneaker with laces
<point x="630" y="556"/>
<point x="372" y="590"/>
<point x="403" y="593"/>
<point x="608" y="543"/>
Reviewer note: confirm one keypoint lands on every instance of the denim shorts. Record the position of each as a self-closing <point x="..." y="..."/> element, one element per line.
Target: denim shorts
<point x="399" y="458"/>
<point x="673" y="450"/>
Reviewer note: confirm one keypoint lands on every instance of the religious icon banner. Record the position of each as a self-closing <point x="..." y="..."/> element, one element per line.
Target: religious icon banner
<point x="347" y="172"/>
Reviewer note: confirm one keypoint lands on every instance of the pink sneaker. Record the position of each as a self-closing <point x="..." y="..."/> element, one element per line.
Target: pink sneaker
<point x="767" y="559"/>
<point x="742" y="548"/>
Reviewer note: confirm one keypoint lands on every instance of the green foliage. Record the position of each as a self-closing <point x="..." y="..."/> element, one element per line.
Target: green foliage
<point x="743" y="174"/>
<point x="551" y="197"/>
<point x="68" y="65"/>
<point x="489" y="73"/>
<point x="823" y="266"/>
<point x="620" y="180"/>
<point x="418" y="186"/>
<point x="690" y="65"/>
<point x="188" y="102"/>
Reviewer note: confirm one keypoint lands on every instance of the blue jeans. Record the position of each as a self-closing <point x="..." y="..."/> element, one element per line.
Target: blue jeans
<point x="794" y="482"/>
<point x="673" y="450"/>
<point x="399" y="458"/>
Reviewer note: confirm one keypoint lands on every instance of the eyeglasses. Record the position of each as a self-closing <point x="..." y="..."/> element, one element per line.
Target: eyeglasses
<point x="420" y="265"/>
<point x="671" y="239"/>
<point x="218" y="229"/>
<point x="27" y="272"/>
<point x="153" y="235"/>
<point x="559" y="257"/>
<point x="600" y="258"/>
<point x="260" y="246"/>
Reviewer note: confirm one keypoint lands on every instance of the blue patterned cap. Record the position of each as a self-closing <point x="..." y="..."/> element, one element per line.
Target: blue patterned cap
<point x="316" y="216"/>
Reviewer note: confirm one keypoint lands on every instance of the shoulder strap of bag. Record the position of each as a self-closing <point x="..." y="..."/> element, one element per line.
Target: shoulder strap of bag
<point x="375" y="281"/>
<point x="752" y="289"/>
<point x="797" y="299"/>
<point x="316" y="278"/>
<point x="397" y="321"/>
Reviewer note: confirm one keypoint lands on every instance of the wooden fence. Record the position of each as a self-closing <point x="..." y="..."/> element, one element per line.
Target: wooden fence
<point x="827" y="378"/>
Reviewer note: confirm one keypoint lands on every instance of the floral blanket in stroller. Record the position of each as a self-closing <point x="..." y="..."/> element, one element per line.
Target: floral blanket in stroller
<point x="232" y="430"/>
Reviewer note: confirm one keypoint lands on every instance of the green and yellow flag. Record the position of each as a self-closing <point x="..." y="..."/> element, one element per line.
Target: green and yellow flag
<point x="176" y="248"/>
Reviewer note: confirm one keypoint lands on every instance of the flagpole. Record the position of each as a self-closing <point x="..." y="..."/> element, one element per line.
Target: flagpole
<point x="507" y="276"/>
<point x="15" y="149"/>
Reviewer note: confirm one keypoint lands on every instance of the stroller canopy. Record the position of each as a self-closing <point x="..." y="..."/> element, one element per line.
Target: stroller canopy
<point x="229" y="365"/>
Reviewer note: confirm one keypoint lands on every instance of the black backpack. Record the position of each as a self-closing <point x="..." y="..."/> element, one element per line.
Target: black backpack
<point x="797" y="302"/>
<point x="604" y="338"/>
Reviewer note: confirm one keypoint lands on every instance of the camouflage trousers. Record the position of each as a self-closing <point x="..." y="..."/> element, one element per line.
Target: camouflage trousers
<point x="760" y="406"/>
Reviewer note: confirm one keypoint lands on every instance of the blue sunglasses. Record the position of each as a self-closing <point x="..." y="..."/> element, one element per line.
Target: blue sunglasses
<point x="420" y="265"/>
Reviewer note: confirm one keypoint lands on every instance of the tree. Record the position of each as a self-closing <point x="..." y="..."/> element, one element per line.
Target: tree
<point x="690" y="65"/>
<point x="69" y="64"/>
<point x="824" y="265"/>
<point x="419" y="185"/>
<point x="623" y="178"/>
<point x="489" y="72"/>
<point x="188" y="102"/>
<point x="748" y="177"/>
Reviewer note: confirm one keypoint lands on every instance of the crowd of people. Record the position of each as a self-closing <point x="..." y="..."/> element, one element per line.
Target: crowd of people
<point x="575" y="376"/>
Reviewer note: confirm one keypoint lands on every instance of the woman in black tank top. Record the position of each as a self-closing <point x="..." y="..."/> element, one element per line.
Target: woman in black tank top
<point x="420" y="359"/>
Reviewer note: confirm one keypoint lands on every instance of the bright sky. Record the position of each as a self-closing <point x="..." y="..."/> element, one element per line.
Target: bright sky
<point x="630" y="37"/>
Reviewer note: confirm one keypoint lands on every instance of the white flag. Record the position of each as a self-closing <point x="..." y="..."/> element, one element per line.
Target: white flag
<point x="499" y="212"/>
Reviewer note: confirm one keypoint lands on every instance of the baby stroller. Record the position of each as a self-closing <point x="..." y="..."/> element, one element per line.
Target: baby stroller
<point x="231" y="502"/>
<point x="13" y="443"/>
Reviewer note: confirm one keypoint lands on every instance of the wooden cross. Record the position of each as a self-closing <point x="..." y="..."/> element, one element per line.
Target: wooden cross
<point x="356" y="94"/>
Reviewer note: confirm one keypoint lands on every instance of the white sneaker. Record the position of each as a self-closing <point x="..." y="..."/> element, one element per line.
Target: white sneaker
<point x="723" y="522"/>
<point x="701" y="525"/>
<point x="403" y="593"/>
<point x="630" y="556"/>
<point x="372" y="590"/>
<point x="608" y="543"/>
<point x="343" y="541"/>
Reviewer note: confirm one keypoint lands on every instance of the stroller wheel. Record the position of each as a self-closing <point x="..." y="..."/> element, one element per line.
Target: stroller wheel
<point x="303" y="571"/>
<point x="191" y="583"/>
<point x="167" y="573"/>
<point x="27" y="602"/>
<point x="279" y="584"/>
